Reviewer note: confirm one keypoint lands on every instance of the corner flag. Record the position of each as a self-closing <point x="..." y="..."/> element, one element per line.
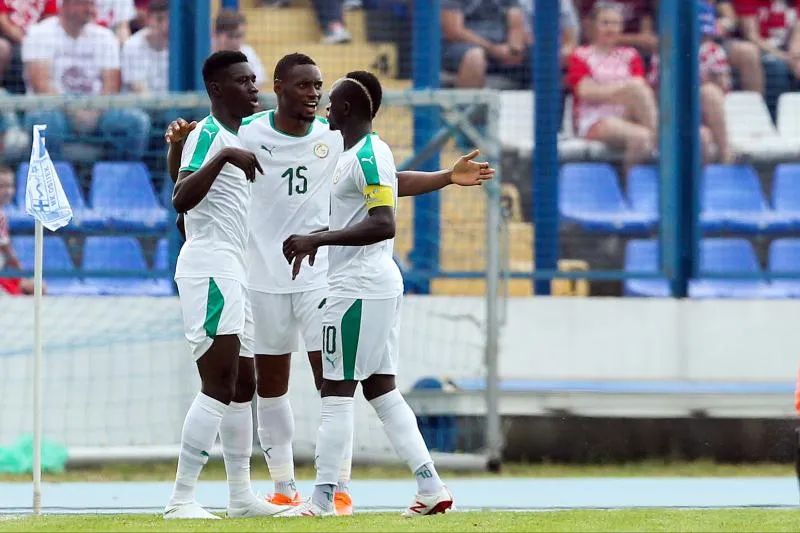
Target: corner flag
<point x="44" y="197"/>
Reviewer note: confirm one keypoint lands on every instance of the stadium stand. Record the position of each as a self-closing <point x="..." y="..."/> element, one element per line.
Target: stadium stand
<point x="56" y="258"/>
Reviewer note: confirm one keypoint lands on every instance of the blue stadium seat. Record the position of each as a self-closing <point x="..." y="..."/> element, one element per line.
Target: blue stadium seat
<point x="728" y="256"/>
<point x="732" y="200"/>
<point x="56" y="258"/>
<point x="124" y="194"/>
<point x="83" y="217"/>
<point x="161" y="262"/>
<point x="643" y="190"/>
<point x="786" y="193"/>
<point x="784" y="257"/>
<point x="590" y="197"/>
<point x="641" y="255"/>
<point x="121" y="254"/>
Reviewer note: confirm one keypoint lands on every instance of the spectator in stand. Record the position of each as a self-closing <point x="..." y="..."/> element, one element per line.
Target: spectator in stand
<point x="16" y="16"/>
<point x="744" y="56"/>
<point x="715" y="81"/>
<point x="145" y="56"/>
<point x="117" y="16"/>
<point x="8" y="258"/>
<point x="639" y="23"/>
<point x="773" y="26"/>
<point x="71" y="55"/>
<point x="568" y="21"/>
<point x="229" y="29"/>
<point x="330" y="15"/>
<point x="614" y="104"/>
<point x="141" y="14"/>
<point x="485" y="37"/>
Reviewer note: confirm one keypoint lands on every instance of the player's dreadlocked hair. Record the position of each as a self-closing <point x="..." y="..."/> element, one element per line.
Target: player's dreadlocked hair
<point x="366" y="90"/>
<point x="288" y="62"/>
<point x="217" y="62"/>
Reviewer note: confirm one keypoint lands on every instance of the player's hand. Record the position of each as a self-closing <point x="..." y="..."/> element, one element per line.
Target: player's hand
<point x="468" y="172"/>
<point x="178" y="130"/>
<point x="298" y="247"/>
<point x="245" y="160"/>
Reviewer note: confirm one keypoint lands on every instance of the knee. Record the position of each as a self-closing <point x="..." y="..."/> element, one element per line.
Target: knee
<point x="745" y="53"/>
<point x="711" y="94"/>
<point x="272" y="385"/>
<point x="5" y="51"/>
<point x="640" y="143"/>
<point x="474" y="61"/>
<point x="245" y="388"/>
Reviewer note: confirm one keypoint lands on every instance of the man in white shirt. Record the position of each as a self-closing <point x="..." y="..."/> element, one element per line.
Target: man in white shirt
<point x="145" y="56"/>
<point x="71" y="55"/>
<point x="229" y="35"/>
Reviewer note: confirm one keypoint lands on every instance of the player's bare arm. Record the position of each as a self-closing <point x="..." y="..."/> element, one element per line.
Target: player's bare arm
<point x="378" y="226"/>
<point x="192" y="187"/>
<point x="175" y="136"/>
<point x="466" y="172"/>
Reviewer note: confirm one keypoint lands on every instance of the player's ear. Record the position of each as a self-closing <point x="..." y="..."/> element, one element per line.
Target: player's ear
<point x="277" y="86"/>
<point x="346" y="108"/>
<point x="215" y="89"/>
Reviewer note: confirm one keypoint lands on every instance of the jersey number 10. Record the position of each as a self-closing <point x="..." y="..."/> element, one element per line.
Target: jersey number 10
<point x="298" y="184"/>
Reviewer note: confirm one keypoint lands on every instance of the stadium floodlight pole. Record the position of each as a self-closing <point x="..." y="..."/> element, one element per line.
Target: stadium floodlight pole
<point x="38" y="262"/>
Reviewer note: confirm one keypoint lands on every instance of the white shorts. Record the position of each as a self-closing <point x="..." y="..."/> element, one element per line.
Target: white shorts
<point x="279" y="319"/>
<point x="211" y="307"/>
<point x="360" y="338"/>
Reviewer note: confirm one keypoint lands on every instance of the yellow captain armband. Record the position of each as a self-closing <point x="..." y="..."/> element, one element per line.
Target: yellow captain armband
<point x="378" y="196"/>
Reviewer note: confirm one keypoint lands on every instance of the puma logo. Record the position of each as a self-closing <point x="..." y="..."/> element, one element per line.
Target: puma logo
<point x="331" y="361"/>
<point x="266" y="452"/>
<point x="269" y="150"/>
<point x="369" y="159"/>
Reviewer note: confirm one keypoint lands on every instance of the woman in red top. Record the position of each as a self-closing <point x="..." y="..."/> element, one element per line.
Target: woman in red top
<point x="614" y="104"/>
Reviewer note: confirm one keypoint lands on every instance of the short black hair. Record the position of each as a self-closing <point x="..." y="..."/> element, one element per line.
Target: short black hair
<point x="368" y="108"/>
<point x="158" y="6"/>
<point x="228" y="20"/>
<point x="219" y="61"/>
<point x="288" y="62"/>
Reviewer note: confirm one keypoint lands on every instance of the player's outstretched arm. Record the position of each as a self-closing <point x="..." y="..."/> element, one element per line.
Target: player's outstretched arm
<point x="465" y="172"/>
<point x="192" y="187"/>
<point x="176" y="134"/>
<point x="378" y="226"/>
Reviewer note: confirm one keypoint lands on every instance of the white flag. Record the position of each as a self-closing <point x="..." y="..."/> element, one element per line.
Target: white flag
<point x="44" y="197"/>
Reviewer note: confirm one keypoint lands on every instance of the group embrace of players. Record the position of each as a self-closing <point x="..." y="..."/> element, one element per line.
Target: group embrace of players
<point x="259" y="193"/>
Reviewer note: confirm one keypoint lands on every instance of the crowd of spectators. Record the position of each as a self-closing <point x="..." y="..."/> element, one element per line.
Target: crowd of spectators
<point x="609" y="59"/>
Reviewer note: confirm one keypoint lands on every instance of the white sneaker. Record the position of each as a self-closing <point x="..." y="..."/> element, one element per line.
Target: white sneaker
<point x="255" y="507"/>
<point x="308" y="508"/>
<point x="427" y="504"/>
<point x="191" y="510"/>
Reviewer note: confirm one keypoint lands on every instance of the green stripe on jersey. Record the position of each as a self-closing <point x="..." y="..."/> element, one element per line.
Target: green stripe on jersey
<point x="214" y="306"/>
<point x="366" y="158"/>
<point x="251" y="118"/>
<point x="323" y="120"/>
<point x="351" y="328"/>
<point x="204" y="141"/>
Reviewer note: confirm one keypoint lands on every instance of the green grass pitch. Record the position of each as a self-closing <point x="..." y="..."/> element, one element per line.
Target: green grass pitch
<point x="734" y="520"/>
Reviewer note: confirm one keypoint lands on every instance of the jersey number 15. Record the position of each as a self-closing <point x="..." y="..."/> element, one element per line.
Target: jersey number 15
<point x="298" y="184"/>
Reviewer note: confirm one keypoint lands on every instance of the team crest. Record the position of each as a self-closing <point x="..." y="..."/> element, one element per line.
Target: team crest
<point x="321" y="150"/>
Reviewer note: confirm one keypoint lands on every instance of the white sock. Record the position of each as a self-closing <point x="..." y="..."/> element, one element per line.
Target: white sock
<point x="400" y="426"/>
<point x="334" y="432"/>
<point x="236" y="434"/>
<point x="200" y="428"/>
<point x="275" y="433"/>
<point x="347" y="465"/>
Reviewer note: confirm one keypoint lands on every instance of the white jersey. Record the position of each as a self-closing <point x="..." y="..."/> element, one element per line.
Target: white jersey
<point x="216" y="228"/>
<point x="365" y="177"/>
<point x="292" y="197"/>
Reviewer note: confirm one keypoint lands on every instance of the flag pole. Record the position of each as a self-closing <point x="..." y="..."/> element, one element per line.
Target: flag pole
<point x="37" y="367"/>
